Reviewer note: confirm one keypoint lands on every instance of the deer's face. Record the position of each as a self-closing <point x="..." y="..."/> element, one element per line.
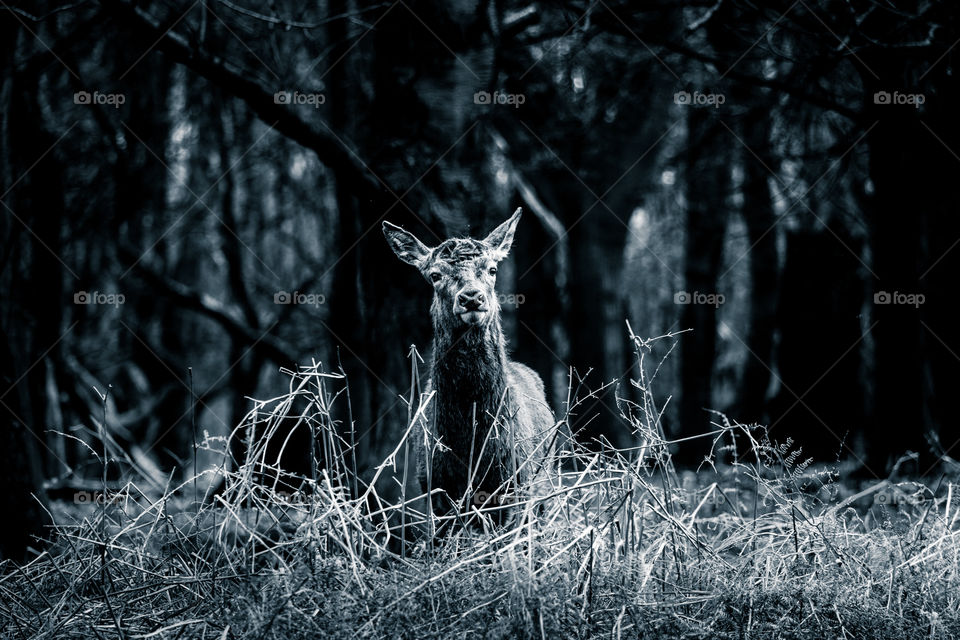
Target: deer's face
<point x="462" y="271"/>
<point x="463" y="278"/>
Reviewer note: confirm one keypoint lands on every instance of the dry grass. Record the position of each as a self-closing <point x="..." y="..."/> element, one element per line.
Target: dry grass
<point x="758" y="544"/>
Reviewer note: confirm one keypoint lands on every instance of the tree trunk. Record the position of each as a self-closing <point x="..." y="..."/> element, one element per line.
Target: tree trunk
<point x="820" y="403"/>
<point x="141" y="209"/>
<point x="35" y="287"/>
<point x="898" y="211"/>
<point x="540" y="310"/>
<point x="707" y="183"/>
<point x="345" y="300"/>
<point x="593" y="310"/>
<point x="941" y="260"/>
<point x="759" y="217"/>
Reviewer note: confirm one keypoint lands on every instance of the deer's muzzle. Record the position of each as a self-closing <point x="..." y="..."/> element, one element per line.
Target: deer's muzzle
<point x="470" y="306"/>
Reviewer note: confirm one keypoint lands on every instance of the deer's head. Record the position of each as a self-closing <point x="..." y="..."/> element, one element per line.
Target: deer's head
<point x="462" y="271"/>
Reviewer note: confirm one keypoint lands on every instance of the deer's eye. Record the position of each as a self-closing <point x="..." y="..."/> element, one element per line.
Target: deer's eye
<point x="492" y="271"/>
<point x="435" y="277"/>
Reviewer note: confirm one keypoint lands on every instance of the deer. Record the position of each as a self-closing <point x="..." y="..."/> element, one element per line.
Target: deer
<point x="489" y="427"/>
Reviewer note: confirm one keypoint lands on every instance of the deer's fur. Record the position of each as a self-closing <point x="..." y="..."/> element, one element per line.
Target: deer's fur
<point x="484" y="401"/>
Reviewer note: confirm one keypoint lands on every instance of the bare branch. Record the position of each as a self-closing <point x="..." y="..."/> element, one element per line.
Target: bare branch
<point x="294" y="24"/>
<point x="330" y="149"/>
<point x="268" y="345"/>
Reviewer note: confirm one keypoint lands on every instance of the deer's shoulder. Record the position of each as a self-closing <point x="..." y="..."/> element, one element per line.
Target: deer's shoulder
<point x="524" y="378"/>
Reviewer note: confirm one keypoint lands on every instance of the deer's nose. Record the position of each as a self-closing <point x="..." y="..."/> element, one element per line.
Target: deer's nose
<point x="471" y="300"/>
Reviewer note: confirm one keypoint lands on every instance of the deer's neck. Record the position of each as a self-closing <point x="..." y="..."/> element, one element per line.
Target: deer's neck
<point x="469" y="370"/>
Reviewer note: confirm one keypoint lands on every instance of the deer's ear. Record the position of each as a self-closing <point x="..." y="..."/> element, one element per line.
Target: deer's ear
<point x="406" y="245"/>
<point x="501" y="238"/>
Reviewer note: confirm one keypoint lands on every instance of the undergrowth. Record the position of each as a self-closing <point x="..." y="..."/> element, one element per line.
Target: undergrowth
<point x="757" y="543"/>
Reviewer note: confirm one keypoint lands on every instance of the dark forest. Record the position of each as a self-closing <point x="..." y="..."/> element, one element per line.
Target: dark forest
<point x="754" y="202"/>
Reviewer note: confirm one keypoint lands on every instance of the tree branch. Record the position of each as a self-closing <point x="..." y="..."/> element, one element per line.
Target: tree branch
<point x="250" y="13"/>
<point x="330" y="149"/>
<point x="270" y="346"/>
<point x="550" y="221"/>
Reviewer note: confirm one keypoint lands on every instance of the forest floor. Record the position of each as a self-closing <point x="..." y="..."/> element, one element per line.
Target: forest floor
<point x="738" y="552"/>
<point x="763" y="545"/>
<point x="718" y="562"/>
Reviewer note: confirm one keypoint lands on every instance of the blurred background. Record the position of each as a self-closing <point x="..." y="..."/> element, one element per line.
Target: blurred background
<point x="192" y="195"/>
